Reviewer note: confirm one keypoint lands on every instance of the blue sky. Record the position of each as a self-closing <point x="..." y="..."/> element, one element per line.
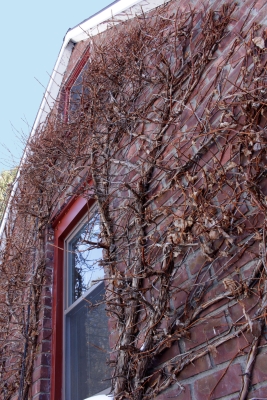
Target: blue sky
<point x="31" y="36"/>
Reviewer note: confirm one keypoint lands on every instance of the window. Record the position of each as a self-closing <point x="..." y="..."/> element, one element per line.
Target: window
<point x="82" y="257"/>
<point x="76" y="95"/>
<point x="85" y="320"/>
<point x="72" y="92"/>
<point x="80" y="345"/>
<point x="86" y="325"/>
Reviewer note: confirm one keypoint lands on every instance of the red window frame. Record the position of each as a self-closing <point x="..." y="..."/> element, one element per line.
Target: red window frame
<point x="65" y="92"/>
<point x="63" y="225"/>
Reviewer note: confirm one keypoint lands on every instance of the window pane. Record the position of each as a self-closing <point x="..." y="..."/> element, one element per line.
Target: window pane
<point x="87" y="347"/>
<point x="76" y="94"/>
<point x="83" y="258"/>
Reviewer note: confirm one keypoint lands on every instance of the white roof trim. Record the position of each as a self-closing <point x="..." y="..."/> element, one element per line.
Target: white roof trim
<point x="120" y="11"/>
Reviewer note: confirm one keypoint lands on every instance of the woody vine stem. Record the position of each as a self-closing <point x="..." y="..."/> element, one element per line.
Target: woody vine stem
<point x="175" y="144"/>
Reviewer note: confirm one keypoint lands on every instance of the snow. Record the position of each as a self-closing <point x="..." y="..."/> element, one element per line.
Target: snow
<point x="100" y="397"/>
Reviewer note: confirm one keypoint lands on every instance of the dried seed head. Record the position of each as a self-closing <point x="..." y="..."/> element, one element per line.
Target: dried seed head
<point x="214" y="234"/>
<point x="259" y="42"/>
<point x="180" y="223"/>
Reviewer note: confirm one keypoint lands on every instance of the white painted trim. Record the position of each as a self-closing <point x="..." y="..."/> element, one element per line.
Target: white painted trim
<point x="120" y="11"/>
<point x="100" y="397"/>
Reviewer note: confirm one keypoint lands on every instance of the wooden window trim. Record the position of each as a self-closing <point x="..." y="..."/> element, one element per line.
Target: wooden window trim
<point x="63" y="225"/>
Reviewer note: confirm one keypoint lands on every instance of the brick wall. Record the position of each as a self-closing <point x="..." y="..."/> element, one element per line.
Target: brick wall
<point x="42" y="363"/>
<point x="218" y="374"/>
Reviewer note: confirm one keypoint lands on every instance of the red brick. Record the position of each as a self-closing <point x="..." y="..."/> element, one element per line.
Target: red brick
<point x="46" y="323"/>
<point x="260" y="393"/>
<point x="42" y="372"/>
<point x="196" y="262"/>
<point x="226" y="155"/>
<point x="263" y="186"/>
<point x="260" y="368"/>
<point x="48" y="280"/>
<point x="176" y="393"/>
<point x="225" y="194"/>
<point x="113" y="356"/>
<point x="43" y="359"/>
<point x="206" y="330"/>
<point x="167" y="354"/>
<point x="228" y="350"/>
<point x="236" y="311"/>
<point x="50" y="255"/>
<point x="113" y="339"/>
<point x="41" y="396"/>
<point x="180" y="276"/>
<point x="45" y="334"/>
<point x="230" y="383"/>
<point x="248" y="269"/>
<point x="46" y="312"/>
<point x="211" y="293"/>
<point x="112" y="323"/>
<point x="179" y="298"/>
<point x="44" y="346"/>
<point x="263" y="340"/>
<point x="41" y="386"/>
<point x="200" y="365"/>
<point x="164" y="198"/>
<point x="46" y="291"/>
<point x="47" y="301"/>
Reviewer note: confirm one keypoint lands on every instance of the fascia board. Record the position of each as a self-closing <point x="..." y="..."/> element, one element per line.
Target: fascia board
<point x="86" y="29"/>
<point x="121" y="11"/>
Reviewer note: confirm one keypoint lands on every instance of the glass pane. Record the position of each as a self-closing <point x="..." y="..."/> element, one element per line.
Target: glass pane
<point x="87" y="347"/>
<point x="76" y="94"/>
<point x="83" y="258"/>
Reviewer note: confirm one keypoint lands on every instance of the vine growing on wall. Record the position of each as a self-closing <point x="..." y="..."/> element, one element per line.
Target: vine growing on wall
<point x="171" y="129"/>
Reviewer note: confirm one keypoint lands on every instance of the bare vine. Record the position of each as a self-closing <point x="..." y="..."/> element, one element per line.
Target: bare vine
<point x="171" y="130"/>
